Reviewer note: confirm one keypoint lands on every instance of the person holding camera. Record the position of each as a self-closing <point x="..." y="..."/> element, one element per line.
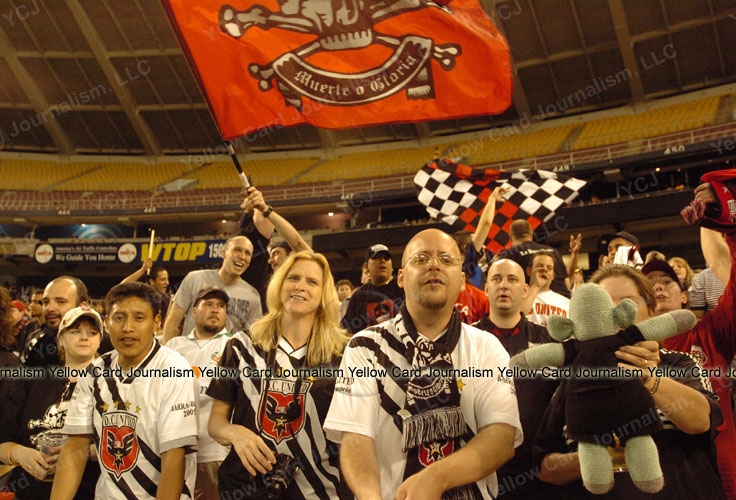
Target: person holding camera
<point x="274" y="389"/>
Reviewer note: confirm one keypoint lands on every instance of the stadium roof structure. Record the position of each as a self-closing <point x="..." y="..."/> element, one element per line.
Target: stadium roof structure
<point x="120" y="85"/>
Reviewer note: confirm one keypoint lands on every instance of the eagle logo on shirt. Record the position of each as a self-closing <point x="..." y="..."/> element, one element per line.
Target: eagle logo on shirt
<point x="278" y="421"/>
<point x="119" y="443"/>
<point x="430" y="453"/>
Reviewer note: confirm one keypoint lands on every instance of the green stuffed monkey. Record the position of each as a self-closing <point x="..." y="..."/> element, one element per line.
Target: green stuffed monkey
<point x="597" y="408"/>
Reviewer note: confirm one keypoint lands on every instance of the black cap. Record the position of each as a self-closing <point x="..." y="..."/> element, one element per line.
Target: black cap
<point x="211" y="290"/>
<point x="603" y="241"/>
<point x="660" y="265"/>
<point x="627" y="236"/>
<point x="377" y="250"/>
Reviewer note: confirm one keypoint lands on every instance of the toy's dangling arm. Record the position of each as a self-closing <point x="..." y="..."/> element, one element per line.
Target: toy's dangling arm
<point x="540" y="356"/>
<point x="667" y="325"/>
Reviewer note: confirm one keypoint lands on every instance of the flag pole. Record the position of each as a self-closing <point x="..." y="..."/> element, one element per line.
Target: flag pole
<point x="236" y="162"/>
<point x="150" y="250"/>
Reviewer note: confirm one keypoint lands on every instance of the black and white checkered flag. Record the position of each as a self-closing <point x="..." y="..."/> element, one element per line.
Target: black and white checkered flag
<point x="457" y="194"/>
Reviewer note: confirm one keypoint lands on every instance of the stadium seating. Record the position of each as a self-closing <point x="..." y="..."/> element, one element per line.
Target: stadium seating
<point x="124" y="177"/>
<point x="660" y="121"/>
<point x="36" y="175"/>
<point x="369" y="164"/>
<point x="499" y="147"/>
<point x="615" y="135"/>
<point x="263" y="172"/>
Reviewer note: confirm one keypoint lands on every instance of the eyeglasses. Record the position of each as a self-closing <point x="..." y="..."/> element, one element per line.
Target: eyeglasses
<point x="444" y="259"/>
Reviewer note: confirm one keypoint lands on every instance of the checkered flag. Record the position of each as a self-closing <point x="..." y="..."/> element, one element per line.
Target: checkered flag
<point x="457" y="195"/>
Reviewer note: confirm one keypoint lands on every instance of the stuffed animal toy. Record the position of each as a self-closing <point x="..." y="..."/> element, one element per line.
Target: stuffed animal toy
<point x="597" y="407"/>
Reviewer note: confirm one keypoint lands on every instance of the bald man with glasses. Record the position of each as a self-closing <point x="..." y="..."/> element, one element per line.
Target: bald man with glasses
<point x="383" y="457"/>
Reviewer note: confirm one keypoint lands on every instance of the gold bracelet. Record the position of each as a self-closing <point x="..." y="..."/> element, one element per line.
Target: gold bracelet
<point x="10" y="450"/>
<point x="655" y="388"/>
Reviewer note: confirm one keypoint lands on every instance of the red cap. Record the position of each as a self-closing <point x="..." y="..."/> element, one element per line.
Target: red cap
<point x="18" y="305"/>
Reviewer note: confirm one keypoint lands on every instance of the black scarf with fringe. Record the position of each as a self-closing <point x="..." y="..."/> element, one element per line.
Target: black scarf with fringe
<point x="432" y="420"/>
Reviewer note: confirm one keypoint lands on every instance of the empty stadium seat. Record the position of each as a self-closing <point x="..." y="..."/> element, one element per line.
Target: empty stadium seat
<point x="263" y="172"/>
<point x="660" y="121"/>
<point x="369" y="164"/>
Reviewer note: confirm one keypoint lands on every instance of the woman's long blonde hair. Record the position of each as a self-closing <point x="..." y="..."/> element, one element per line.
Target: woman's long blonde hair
<point x="327" y="338"/>
<point x="688" y="270"/>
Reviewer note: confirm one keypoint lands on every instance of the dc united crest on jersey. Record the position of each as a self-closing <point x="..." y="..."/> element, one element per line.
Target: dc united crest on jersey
<point x="430" y="453"/>
<point x="119" y="443"/>
<point x="277" y="419"/>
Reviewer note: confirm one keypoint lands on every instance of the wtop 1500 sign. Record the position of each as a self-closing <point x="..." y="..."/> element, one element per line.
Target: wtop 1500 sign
<point x="127" y="252"/>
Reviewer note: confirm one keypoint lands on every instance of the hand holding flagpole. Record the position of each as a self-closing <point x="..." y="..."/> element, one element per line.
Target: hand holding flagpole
<point x="150" y="250"/>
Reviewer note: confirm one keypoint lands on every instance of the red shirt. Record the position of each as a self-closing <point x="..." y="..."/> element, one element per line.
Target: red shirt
<point x="472" y="304"/>
<point x="713" y="342"/>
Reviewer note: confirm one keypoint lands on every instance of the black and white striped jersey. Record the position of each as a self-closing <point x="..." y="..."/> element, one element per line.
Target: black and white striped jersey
<point x="134" y="419"/>
<point x="370" y="394"/>
<point x="261" y="404"/>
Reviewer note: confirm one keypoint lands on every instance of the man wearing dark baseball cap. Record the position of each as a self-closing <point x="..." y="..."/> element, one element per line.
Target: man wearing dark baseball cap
<point x="380" y="298"/>
<point x="670" y="292"/>
<point x="620" y="239"/>
<point x="213" y="290"/>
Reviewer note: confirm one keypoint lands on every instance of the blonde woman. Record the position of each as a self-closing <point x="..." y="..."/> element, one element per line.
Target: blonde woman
<point x="682" y="270"/>
<point x="34" y="408"/>
<point x="277" y="400"/>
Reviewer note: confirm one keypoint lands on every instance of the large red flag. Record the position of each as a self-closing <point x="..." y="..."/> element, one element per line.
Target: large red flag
<point x="342" y="63"/>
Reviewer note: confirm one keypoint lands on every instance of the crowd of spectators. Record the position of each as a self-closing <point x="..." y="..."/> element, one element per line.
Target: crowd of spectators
<point x="263" y="378"/>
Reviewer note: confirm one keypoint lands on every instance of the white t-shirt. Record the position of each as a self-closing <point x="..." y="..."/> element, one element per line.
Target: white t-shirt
<point x="243" y="308"/>
<point x="204" y="354"/>
<point x="546" y="304"/>
<point x="135" y="419"/>
<point x="357" y="407"/>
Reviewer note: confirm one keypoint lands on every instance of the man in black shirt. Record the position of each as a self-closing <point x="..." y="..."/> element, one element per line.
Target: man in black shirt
<point x="59" y="296"/>
<point x="506" y="289"/>
<point x="378" y="300"/>
<point x="524" y="248"/>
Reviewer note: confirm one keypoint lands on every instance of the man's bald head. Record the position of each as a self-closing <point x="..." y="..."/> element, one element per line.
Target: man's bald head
<point x="236" y="255"/>
<point x="506" y="288"/>
<point x="511" y="266"/>
<point x="430" y="237"/>
<point x="79" y="287"/>
<point x="61" y="295"/>
<point x="431" y="286"/>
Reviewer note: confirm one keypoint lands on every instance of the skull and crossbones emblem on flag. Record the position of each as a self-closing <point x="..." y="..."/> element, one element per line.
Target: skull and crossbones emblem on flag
<point x="343" y="25"/>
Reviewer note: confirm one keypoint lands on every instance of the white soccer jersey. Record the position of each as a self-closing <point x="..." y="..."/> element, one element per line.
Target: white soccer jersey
<point x="204" y="355"/>
<point x="546" y="304"/>
<point x="134" y="419"/>
<point x="366" y="401"/>
<point x="260" y="405"/>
